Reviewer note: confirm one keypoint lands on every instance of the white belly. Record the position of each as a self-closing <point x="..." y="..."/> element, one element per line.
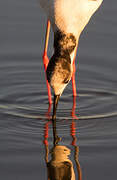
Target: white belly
<point x="70" y="16"/>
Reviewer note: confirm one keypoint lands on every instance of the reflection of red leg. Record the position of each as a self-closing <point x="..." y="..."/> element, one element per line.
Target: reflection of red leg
<point x="73" y="133"/>
<point x="46" y="134"/>
<point x="76" y="148"/>
<point x="48" y="112"/>
<point x="74" y="108"/>
<point x="46" y="60"/>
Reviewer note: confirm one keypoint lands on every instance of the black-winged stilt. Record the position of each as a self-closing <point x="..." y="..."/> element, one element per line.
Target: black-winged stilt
<point x="68" y="19"/>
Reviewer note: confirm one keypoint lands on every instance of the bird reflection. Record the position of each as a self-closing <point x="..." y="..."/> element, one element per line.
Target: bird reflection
<point x="59" y="166"/>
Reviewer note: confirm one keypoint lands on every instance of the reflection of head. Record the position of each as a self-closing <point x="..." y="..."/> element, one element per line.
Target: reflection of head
<point x="60" y="153"/>
<point x="60" y="167"/>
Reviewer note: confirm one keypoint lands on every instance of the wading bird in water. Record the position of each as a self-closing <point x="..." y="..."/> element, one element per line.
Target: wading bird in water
<point x="68" y="19"/>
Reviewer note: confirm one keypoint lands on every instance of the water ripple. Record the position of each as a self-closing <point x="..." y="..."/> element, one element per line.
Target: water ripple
<point x="90" y="104"/>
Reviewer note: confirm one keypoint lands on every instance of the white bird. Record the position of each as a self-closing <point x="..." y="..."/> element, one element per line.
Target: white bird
<point x="68" y="19"/>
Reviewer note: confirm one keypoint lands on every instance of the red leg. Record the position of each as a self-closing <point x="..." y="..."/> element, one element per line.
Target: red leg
<point x="73" y="80"/>
<point x="73" y="76"/>
<point x="46" y="60"/>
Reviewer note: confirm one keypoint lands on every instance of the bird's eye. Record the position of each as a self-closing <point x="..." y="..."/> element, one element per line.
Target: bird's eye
<point x="66" y="81"/>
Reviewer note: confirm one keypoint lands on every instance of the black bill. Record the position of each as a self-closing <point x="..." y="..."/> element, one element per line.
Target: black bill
<point x="56" y="99"/>
<point x="55" y="103"/>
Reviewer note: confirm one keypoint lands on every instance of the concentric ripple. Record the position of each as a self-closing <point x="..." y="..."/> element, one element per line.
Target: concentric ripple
<point x="89" y="104"/>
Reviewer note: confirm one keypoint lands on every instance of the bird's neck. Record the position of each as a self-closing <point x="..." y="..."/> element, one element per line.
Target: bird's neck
<point x="65" y="45"/>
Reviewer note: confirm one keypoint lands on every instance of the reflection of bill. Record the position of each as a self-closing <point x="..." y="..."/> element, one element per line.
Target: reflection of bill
<point x="60" y="167"/>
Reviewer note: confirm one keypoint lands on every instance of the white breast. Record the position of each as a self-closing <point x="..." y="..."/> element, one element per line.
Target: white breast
<point x="70" y="16"/>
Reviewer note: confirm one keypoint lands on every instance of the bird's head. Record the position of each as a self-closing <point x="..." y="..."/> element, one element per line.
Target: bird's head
<point x="59" y="70"/>
<point x="58" y="73"/>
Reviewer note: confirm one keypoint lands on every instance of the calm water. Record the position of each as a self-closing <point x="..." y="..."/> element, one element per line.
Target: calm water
<point x="24" y="101"/>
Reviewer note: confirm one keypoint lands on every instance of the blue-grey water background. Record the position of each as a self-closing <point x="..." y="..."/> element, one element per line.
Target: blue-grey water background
<point x="24" y="101"/>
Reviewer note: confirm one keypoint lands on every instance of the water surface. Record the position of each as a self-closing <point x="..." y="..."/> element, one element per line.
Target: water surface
<point x="24" y="102"/>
